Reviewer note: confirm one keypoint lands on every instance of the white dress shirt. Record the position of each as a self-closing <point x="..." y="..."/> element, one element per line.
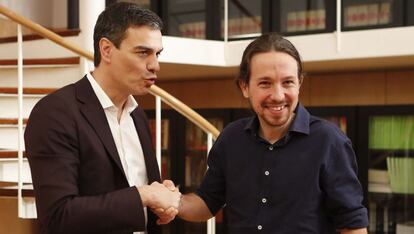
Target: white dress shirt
<point x="125" y="136"/>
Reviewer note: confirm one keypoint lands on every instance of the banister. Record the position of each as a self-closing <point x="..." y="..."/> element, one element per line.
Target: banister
<point x="179" y="106"/>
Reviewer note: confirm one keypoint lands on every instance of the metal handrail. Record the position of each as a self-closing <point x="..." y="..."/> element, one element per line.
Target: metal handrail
<point x="176" y="104"/>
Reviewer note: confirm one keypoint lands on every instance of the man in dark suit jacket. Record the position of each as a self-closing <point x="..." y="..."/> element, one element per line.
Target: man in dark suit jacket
<point x="89" y="174"/>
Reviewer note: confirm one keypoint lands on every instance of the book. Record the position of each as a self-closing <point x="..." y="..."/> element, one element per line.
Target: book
<point x="291" y="21"/>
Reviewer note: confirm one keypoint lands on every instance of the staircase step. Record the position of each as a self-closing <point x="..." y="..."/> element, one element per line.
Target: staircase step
<point x="42" y="61"/>
<point x="9" y="169"/>
<point x="11" y="121"/>
<point x="30" y="37"/>
<point x="11" y="190"/>
<point x="9" y="136"/>
<point x="10" y="154"/>
<point x="9" y="102"/>
<point x="41" y="73"/>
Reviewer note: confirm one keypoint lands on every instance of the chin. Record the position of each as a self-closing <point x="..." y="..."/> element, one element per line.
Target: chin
<point x="141" y="92"/>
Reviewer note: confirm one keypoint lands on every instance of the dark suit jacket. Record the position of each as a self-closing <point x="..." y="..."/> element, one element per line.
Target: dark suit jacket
<point x="78" y="179"/>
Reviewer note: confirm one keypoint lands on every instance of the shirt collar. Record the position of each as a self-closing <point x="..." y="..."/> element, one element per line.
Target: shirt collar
<point x="105" y="101"/>
<point x="300" y="122"/>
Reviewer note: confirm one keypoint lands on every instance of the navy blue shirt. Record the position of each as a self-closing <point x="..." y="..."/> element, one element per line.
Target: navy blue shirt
<point x="304" y="183"/>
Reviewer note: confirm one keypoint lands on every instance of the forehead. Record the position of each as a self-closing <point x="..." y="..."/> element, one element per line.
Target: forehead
<point x="273" y="61"/>
<point x="143" y="36"/>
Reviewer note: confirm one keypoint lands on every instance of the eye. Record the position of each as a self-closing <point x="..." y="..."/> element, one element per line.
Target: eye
<point x="264" y="84"/>
<point x="158" y="54"/>
<point x="142" y="53"/>
<point x="289" y="82"/>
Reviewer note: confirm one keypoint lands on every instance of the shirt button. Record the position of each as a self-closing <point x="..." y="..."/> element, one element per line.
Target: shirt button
<point x="267" y="173"/>
<point x="259" y="227"/>
<point x="271" y="147"/>
<point x="264" y="200"/>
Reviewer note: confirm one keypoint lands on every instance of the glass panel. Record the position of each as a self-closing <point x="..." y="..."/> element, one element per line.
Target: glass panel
<point x="339" y="121"/>
<point x="186" y="18"/>
<point x="302" y="15"/>
<point x="245" y="18"/>
<point x="196" y="158"/>
<point x="391" y="174"/>
<point x="367" y="13"/>
<point x="165" y="158"/>
<point x="196" y="165"/>
<point x="141" y="3"/>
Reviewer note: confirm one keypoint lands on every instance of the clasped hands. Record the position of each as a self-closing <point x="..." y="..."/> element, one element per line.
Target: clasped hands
<point x="164" y="200"/>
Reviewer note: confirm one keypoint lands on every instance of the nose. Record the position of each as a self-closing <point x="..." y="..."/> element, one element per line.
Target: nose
<point x="153" y="65"/>
<point x="277" y="93"/>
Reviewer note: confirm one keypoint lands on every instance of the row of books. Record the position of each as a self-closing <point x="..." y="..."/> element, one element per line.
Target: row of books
<point x="391" y="132"/>
<point x="165" y="127"/>
<point x="243" y="25"/>
<point x="305" y="20"/>
<point x="401" y="173"/>
<point x="368" y="14"/>
<point x="196" y="139"/>
<point x="378" y="181"/>
<point x="339" y="121"/>
<point x="382" y="220"/>
<point x="236" y="26"/>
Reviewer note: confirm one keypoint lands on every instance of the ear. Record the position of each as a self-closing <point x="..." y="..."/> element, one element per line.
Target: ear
<point x="244" y="88"/>
<point x="105" y="48"/>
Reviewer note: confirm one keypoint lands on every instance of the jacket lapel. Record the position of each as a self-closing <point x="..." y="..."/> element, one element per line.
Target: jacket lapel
<point x="95" y="115"/>
<point x="141" y="125"/>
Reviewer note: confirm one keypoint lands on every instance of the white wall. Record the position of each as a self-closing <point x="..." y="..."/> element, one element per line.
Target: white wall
<point x="48" y="13"/>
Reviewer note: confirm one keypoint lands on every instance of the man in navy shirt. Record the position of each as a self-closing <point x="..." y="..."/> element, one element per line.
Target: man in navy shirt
<point x="282" y="170"/>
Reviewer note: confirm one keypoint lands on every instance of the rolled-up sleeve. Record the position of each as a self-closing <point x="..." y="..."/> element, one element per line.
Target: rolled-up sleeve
<point x="343" y="190"/>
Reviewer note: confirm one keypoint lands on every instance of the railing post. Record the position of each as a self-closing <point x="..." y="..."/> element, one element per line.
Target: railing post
<point x="26" y="209"/>
<point x="158" y="131"/>
<point x="211" y="223"/>
<point x="226" y="21"/>
<point x="20" y="119"/>
<point x="338" y="25"/>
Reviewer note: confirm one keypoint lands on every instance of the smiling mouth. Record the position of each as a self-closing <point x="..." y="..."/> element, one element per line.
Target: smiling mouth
<point x="276" y="108"/>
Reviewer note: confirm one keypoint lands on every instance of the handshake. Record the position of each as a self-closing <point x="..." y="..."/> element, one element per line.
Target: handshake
<point x="163" y="199"/>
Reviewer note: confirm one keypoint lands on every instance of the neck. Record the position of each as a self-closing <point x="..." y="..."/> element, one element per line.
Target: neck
<point x="110" y="88"/>
<point x="274" y="133"/>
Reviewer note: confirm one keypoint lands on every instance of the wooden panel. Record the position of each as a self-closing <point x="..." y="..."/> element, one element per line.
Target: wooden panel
<point x="304" y="95"/>
<point x="10" y="223"/>
<point x="347" y="89"/>
<point x="400" y="87"/>
<point x="212" y="93"/>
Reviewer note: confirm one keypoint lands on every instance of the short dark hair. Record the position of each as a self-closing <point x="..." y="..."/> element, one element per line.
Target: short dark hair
<point x="266" y="43"/>
<point x="115" y="20"/>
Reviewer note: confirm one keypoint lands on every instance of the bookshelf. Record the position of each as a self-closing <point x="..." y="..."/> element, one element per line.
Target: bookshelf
<point x="386" y="144"/>
<point x="185" y="18"/>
